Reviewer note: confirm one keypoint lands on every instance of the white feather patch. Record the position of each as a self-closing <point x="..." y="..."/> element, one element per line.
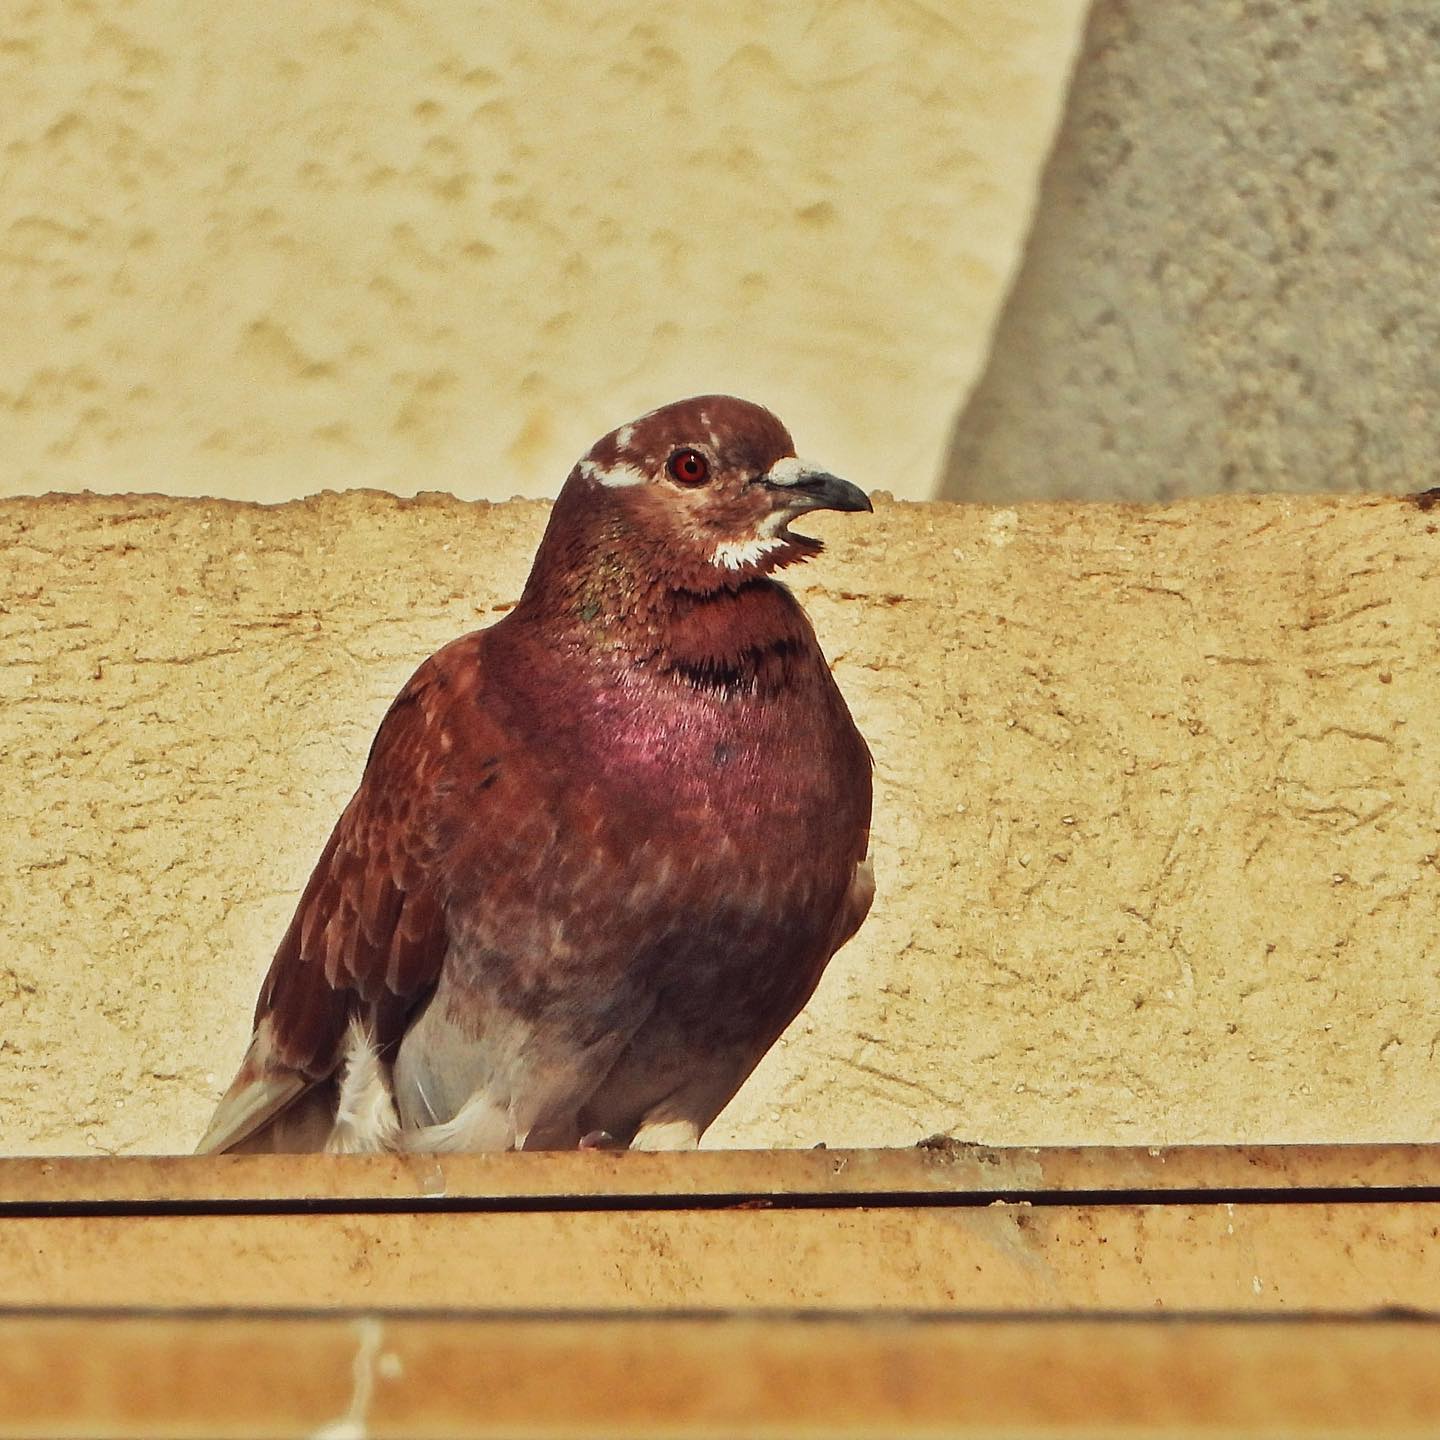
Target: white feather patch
<point x="365" y="1118"/>
<point x="615" y="476"/>
<point x="480" y="1127"/>
<point x="736" y="554"/>
<point x="667" y="1135"/>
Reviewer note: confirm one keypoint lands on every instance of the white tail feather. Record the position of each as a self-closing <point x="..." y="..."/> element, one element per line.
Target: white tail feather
<point x="365" y="1118"/>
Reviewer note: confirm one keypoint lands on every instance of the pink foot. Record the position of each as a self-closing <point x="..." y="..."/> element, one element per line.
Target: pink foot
<point x="600" y="1140"/>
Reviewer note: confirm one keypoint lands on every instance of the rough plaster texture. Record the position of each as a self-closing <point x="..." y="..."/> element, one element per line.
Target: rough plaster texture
<point x="1232" y="279"/>
<point x="264" y="249"/>
<point x="1157" y="827"/>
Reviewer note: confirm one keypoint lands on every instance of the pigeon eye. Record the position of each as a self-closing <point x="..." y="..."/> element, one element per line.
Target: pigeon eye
<point x="688" y="467"/>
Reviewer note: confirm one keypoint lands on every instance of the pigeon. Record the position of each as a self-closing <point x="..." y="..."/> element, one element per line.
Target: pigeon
<point x="602" y="850"/>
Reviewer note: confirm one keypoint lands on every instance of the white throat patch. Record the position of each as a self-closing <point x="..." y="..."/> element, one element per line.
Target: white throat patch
<point x="736" y="554"/>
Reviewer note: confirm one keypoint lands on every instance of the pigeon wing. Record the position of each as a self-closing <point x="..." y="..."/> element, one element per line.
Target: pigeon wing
<point x="369" y="934"/>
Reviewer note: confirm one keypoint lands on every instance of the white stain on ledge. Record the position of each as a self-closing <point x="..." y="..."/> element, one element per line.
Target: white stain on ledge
<point x="1002" y="527"/>
<point x="368" y="1362"/>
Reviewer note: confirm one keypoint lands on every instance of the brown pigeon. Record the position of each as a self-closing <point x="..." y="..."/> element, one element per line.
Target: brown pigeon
<point x="602" y="850"/>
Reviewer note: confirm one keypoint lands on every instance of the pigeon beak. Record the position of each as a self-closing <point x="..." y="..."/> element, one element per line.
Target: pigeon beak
<point x="800" y="487"/>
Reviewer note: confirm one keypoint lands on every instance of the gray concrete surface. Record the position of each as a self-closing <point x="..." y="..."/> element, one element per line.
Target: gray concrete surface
<point x="1232" y="280"/>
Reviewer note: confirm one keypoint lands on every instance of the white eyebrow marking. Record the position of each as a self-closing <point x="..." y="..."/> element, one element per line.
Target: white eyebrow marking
<point x="623" y="436"/>
<point x="614" y="476"/>
<point x="736" y="554"/>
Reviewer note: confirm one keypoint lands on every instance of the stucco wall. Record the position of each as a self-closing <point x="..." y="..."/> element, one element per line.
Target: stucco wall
<point x="1157" y="829"/>
<point x="1232" y="279"/>
<point x="259" y="250"/>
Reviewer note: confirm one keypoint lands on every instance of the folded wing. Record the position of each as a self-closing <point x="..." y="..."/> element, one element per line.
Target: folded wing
<point x="369" y="934"/>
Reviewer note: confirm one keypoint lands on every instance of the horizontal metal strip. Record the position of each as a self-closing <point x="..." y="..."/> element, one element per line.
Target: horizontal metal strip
<point x="729" y="1200"/>
<point x="219" y="1316"/>
<point x="959" y="1173"/>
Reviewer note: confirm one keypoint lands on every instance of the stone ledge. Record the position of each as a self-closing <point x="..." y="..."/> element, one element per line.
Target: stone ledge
<point x="939" y="1171"/>
<point x="1157" y="828"/>
<point x="1323" y="1230"/>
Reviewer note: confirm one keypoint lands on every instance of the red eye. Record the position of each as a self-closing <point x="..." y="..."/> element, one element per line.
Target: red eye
<point x="689" y="467"/>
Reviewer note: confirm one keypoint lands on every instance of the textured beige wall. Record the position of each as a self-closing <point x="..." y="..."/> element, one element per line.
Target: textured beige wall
<point x="1158" y="814"/>
<point x="259" y="250"/>
<point x="1232" y="279"/>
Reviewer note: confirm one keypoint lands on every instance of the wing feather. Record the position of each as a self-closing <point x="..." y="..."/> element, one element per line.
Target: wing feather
<point x="369" y="934"/>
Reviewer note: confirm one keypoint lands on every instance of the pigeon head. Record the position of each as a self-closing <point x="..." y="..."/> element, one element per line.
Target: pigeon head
<point x="708" y="487"/>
